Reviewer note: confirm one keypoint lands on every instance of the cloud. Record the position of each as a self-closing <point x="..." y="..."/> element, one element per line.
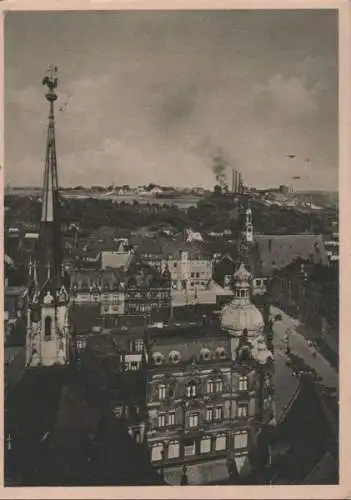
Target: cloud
<point x="152" y="96"/>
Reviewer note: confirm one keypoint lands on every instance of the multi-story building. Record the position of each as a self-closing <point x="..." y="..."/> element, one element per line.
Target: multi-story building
<point x="141" y="291"/>
<point x="209" y="392"/>
<point x="147" y="292"/>
<point x="204" y="390"/>
<point x="190" y="266"/>
<point x="104" y="287"/>
<point x="310" y="292"/>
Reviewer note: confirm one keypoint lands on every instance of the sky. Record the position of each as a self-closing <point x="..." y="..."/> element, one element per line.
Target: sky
<point x="153" y="97"/>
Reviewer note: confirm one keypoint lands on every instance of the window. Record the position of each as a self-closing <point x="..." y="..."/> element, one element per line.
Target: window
<point x="240" y="439"/>
<point x="219" y="385"/>
<point x="218" y="413"/>
<point x="173" y="449"/>
<point x="194" y="420"/>
<point x="161" y="421"/>
<point x="192" y="275"/>
<point x="139" y="345"/>
<point x="209" y="386"/>
<point x="209" y="414"/>
<point x="134" y="365"/>
<point x="157" y="452"/>
<point x="174" y="357"/>
<point x="258" y="282"/>
<point x="205" y="445"/>
<point x="205" y="354"/>
<point x="242" y="411"/>
<point x="189" y="449"/>
<point x="171" y="418"/>
<point x="117" y="412"/>
<point x="161" y="391"/>
<point x="243" y="384"/>
<point x="115" y="299"/>
<point x="221" y="442"/>
<point x="48" y="325"/>
<point x="157" y="358"/>
<point x="220" y="353"/>
<point x="191" y="389"/>
<point x="198" y="275"/>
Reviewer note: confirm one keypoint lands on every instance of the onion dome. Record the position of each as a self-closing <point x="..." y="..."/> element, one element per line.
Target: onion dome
<point x="241" y="314"/>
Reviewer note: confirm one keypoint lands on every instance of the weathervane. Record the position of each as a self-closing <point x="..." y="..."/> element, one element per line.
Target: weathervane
<point x="51" y="81"/>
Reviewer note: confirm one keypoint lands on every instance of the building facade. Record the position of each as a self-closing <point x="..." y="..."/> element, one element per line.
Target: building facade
<point x="310" y="292"/>
<point x="209" y="393"/>
<point x="190" y="267"/>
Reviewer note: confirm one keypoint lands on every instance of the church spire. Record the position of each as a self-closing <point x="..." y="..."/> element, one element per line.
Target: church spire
<point x="50" y="234"/>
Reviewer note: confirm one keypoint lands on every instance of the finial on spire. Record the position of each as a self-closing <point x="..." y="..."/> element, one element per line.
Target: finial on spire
<point x="51" y="81"/>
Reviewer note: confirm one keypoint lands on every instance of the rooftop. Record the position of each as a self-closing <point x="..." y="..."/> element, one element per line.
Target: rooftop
<point x="276" y="252"/>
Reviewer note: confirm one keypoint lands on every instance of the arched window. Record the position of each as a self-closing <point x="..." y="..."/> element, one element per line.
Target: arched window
<point x="191" y="389"/>
<point x="174" y="357"/>
<point x="205" y="354"/>
<point x="137" y="436"/>
<point x="47" y="327"/>
<point x="220" y="353"/>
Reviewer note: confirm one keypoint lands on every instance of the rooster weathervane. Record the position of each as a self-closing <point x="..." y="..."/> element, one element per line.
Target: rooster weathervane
<point x="51" y="79"/>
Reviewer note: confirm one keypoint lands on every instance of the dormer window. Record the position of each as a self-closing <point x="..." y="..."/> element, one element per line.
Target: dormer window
<point x="157" y="358"/>
<point x="174" y="357"/>
<point x="205" y="354"/>
<point x="220" y="353"/>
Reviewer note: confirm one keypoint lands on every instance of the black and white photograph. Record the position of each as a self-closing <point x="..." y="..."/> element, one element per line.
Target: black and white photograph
<point x="171" y="247"/>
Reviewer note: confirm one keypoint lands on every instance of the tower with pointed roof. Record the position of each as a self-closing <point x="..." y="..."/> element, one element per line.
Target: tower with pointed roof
<point x="248" y="227"/>
<point x="246" y="232"/>
<point x="48" y="300"/>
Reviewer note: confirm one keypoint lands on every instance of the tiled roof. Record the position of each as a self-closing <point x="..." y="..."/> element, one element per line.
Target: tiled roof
<point x="115" y="259"/>
<point x="325" y="472"/>
<point x="84" y="317"/>
<point x="278" y="251"/>
<point x="308" y="430"/>
<point x="165" y="246"/>
<point x="83" y="431"/>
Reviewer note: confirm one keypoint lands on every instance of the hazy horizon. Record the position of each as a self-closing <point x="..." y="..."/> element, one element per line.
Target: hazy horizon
<point x="153" y="97"/>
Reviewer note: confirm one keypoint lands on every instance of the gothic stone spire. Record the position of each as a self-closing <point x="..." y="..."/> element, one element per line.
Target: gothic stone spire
<point x="50" y="234"/>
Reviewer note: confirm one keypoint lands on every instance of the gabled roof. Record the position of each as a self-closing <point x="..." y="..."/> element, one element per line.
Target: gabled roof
<point x="276" y="252"/>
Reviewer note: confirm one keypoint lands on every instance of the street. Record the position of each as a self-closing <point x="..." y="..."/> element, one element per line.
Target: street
<point x="285" y="383"/>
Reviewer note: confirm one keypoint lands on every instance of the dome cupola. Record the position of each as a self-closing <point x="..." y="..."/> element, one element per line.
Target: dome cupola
<point x="241" y="314"/>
